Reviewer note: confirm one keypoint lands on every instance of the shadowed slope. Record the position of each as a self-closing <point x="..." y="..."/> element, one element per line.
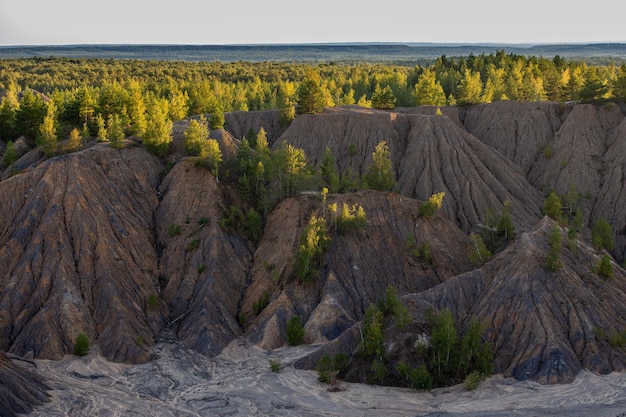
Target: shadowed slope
<point x="76" y="255"/>
<point x="203" y="267"/>
<point x="543" y="325"/>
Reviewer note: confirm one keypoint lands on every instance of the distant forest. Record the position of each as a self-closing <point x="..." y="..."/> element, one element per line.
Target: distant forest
<point x="89" y="93"/>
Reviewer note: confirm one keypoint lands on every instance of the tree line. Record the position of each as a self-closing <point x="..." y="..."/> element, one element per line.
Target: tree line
<point x="84" y="89"/>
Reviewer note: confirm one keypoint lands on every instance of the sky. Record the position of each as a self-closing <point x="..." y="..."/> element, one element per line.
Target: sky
<point x="223" y="22"/>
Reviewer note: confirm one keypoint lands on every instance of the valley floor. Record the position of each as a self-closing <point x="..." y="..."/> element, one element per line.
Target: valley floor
<point x="238" y="382"/>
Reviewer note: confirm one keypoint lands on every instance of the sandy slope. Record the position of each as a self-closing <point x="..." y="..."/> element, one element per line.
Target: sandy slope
<point x="238" y="382"/>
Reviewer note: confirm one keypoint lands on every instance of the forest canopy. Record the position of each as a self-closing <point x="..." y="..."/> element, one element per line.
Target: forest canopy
<point x="87" y="93"/>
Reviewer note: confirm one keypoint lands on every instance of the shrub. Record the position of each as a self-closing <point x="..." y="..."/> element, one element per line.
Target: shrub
<point x="275" y="365"/>
<point x="295" y="331"/>
<point x="194" y="244"/>
<point x="429" y="208"/>
<point x="81" y="345"/>
<point x="472" y="380"/>
<point x="313" y="244"/>
<point x="153" y="301"/>
<point x="173" y="230"/>
<point x="351" y="218"/>
<point x="329" y="367"/>
<point x="260" y="304"/>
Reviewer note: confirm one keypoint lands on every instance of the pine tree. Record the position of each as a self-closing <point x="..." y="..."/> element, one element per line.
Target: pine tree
<point x="380" y="175"/>
<point x="311" y="95"/>
<point x="10" y="155"/>
<point x="330" y="177"/>
<point x="195" y="134"/>
<point x="428" y="91"/>
<point x="47" y="138"/>
<point x="115" y="130"/>
<point x="383" y="98"/>
<point x="158" y="134"/>
<point x="75" y="140"/>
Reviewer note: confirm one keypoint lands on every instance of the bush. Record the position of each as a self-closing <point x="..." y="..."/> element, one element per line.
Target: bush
<point x="328" y="367"/>
<point x="430" y="207"/>
<point x="81" y="345"/>
<point x="472" y="380"/>
<point x="275" y="365"/>
<point x="260" y="304"/>
<point x="295" y="331"/>
<point x="173" y="230"/>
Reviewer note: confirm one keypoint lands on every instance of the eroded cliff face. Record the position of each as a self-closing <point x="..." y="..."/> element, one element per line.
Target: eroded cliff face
<point x="77" y="256"/>
<point x="106" y="242"/>
<point x="355" y="270"/>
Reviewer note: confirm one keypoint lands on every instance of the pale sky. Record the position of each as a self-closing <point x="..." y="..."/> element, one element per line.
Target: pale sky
<point x="210" y="22"/>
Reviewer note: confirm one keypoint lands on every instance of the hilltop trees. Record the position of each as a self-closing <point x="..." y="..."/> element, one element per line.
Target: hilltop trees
<point x="311" y="95"/>
<point x="158" y="132"/>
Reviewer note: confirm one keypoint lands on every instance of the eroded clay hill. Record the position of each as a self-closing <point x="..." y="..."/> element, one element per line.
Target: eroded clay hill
<point x="122" y="246"/>
<point x="484" y="155"/>
<point x="355" y="270"/>
<point x="543" y="325"/>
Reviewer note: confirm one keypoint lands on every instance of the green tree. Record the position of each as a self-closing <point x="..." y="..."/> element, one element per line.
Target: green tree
<point x="81" y="345"/>
<point x="217" y="121"/>
<point x="158" y="133"/>
<point x="553" y="261"/>
<point x="429" y="208"/>
<point x="115" y="130"/>
<point x="383" y="98"/>
<point x="443" y="340"/>
<point x="505" y="225"/>
<point x="102" y="133"/>
<point x="470" y="89"/>
<point x="552" y="206"/>
<point x="602" y="235"/>
<point x="141" y="123"/>
<point x="311" y="98"/>
<point x="8" y="116"/>
<point x="295" y="331"/>
<point x="210" y="153"/>
<point x="195" y="135"/>
<point x="380" y="175"/>
<point x="10" y="155"/>
<point x="605" y="266"/>
<point x="330" y="177"/>
<point x="313" y="243"/>
<point x="428" y="91"/>
<point x="478" y="252"/>
<point x="75" y="140"/>
<point x="30" y="115"/>
<point x="373" y="342"/>
<point x="47" y="138"/>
